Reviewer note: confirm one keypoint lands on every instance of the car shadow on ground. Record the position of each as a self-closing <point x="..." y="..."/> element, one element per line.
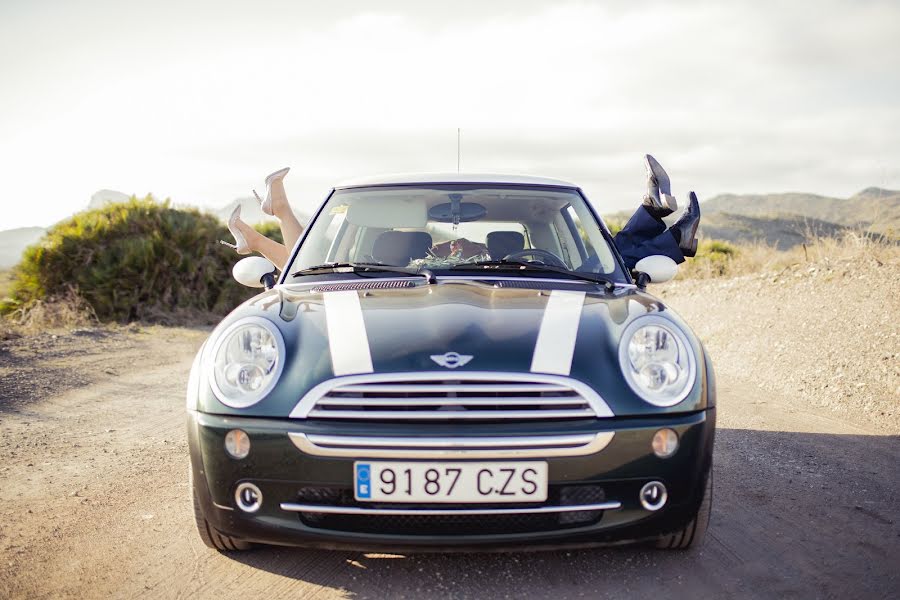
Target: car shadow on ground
<point x="794" y="514"/>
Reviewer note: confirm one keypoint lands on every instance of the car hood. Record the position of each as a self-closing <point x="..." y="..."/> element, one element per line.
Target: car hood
<point x="411" y="328"/>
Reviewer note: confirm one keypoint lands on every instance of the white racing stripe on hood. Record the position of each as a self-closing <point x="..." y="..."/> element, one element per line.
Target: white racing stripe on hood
<point x="559" y="327"/>
<point x="347" y="337"/>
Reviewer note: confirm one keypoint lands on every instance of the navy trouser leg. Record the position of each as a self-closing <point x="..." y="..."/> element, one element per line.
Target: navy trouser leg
<point x="645" y="235"/>
<point x="641" y="227"/>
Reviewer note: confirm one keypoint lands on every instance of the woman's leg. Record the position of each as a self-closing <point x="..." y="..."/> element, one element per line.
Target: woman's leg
<point x="257" y="242"/>
<point x="280" y="208"/>
<point x="291" y="228"/>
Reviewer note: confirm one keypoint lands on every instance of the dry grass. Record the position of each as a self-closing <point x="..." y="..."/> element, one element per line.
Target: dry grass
<point x="6" y="278"/>
<point x="67" y="311"/>
<point x="721" y="259"/>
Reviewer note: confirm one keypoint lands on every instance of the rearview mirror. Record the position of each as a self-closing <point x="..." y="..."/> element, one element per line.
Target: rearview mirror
<point x="254" y="271"/>
<point x="656" y="268"/>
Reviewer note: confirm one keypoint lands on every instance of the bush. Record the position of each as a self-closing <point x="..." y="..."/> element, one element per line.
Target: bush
<point x="135" y="260"/>
<point x="615" y="225"/>
<point x="715" y="258"/>
<point x="271" y="230"/>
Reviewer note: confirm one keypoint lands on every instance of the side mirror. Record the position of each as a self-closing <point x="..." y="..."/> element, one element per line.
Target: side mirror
<point x="655" y="269"/>
<point x="254" y="271"/>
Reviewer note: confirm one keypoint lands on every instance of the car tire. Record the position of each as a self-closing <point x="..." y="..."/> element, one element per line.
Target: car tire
<point x="209" y="534"/>
<point x="692" y="535"/>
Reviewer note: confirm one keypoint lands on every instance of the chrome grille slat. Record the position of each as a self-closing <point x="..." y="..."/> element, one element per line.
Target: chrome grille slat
<point x="452" y="387"/>
<point x="473" y="400"/>
<point x="454" y="443"/>
<point x="433" y="396"/>
<point x="364" y="510"/>
<point x="451" y="414"/>
<point x="537" y="446"/>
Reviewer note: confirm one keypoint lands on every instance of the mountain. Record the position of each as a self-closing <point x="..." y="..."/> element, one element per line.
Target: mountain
<point x="13" y="241"/>
<point x="790" y="219"/>
<point x="101" y="198"/>
<point x="781" y="232"/>
<point x="250" y="212"/>
<point x="873" y="209"/>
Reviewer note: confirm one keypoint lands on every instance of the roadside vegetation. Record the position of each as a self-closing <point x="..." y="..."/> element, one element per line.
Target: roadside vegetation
<point x="143" y="260"/>
<point x="139" y="260"/>
<point x="719" y="259"/>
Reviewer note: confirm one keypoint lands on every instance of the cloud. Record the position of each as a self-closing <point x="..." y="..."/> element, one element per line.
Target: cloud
<point x="200" y="102"/>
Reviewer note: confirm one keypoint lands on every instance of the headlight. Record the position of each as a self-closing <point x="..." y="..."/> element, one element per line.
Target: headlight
<point x="246" y="362"/>
<point x="657" y="361"/>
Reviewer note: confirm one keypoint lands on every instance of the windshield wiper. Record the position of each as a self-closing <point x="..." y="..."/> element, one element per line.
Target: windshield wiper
<point x="357" y="267"/>
<point x="526" y="266"/>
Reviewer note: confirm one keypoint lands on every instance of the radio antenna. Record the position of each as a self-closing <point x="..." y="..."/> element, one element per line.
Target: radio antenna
<point x="457" y="149"/>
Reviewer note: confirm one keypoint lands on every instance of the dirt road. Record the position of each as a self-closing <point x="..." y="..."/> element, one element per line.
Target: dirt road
<point x="94" y="500"/>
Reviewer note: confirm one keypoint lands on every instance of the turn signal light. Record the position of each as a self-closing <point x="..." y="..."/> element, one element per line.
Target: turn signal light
<point x="665" y="443"/>
<point x="237" y="444"/>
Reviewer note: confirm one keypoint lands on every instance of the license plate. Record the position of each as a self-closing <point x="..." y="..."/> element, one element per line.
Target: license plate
<point x="384" y="481"/>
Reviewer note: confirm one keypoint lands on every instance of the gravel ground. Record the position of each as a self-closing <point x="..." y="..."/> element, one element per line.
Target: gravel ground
<point x="826" y="334"/>
<point x="94" y="500"/>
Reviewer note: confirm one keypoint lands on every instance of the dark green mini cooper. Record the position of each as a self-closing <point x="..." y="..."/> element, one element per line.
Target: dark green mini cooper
<point x="452" y="361"/>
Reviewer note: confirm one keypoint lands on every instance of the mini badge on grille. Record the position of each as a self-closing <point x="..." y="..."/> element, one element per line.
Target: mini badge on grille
<point x="451" y="360"/>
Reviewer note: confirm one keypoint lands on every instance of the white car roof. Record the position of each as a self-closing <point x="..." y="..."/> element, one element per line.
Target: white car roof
<point x="412" y="178"/>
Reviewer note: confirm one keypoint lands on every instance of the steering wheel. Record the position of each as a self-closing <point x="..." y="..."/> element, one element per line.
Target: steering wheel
<point x="543" y="256"/>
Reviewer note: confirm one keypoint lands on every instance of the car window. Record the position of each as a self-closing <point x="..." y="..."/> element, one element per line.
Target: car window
<point x="443" y="226"/>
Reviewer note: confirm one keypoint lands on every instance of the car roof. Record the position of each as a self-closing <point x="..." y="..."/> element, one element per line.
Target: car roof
<point x="490" y="178"/>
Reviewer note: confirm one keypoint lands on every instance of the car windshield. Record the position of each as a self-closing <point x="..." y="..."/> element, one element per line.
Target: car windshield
<point x="458" y="227"/>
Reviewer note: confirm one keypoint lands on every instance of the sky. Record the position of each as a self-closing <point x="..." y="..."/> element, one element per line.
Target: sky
<point x="199" y="101"/>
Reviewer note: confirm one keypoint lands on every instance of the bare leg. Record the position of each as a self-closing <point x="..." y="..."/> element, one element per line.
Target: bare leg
<point x="257" y="242"/>
<point x="291" y="228"/>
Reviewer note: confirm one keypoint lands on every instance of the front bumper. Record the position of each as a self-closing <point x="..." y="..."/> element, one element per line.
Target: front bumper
<point x="289" y="477"/>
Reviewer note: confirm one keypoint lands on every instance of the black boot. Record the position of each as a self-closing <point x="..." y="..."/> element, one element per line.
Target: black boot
<point x="685" y="229"/>
<point x="658" y="200"/>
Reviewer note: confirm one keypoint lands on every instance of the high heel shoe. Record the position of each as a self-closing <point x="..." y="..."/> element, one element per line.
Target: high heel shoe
<point x="684" y="230"/>
<point x="659" y="200"/>
<point x="266" y="205"/>
<point x="240" y="246"/>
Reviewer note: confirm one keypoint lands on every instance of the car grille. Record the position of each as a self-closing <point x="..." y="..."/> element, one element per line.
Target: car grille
<point x="365" y="285"/>
<point x="443" y="397"/>
<point x="540" y="285"/>
<point x="568" y="495"/>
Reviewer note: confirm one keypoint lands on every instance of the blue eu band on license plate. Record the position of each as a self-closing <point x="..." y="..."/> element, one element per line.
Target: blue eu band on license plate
<point x="363" y="480"/>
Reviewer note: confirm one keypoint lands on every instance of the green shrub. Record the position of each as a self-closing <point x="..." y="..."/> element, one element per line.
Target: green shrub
<point x="615" y="225"/>
<point x="271" y="230"/>
<point x="715" y="258"/>
<point x="135" y="260"/>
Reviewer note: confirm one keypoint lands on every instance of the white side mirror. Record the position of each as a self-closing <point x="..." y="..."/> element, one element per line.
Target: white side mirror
<point x="251" y="271"/>
<point x="658" y="268"/>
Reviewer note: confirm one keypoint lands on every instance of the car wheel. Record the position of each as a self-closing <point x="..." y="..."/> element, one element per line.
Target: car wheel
<point x="693" y="533"/>
<point x="209" y="534"/>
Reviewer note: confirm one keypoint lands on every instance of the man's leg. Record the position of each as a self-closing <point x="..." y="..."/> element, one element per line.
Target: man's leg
<point x="664" y="244"/>
<point x="641" y="227"/>
<point x="677" y="242"/>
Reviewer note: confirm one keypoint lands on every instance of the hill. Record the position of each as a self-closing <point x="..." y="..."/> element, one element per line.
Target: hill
<point x="874" y="209"/>
<point x="781" y="232"/>
<point x="13" y="241"/>
<point x="790" y="219"/>
<point x="250" y="212"/>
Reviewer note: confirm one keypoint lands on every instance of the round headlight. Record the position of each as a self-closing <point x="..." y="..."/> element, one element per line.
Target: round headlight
<point x="247" y="361"/>
<point x="657" y="361"/>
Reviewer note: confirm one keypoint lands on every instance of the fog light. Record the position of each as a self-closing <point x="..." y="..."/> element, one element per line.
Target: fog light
<point x="665" y="443"/>
<point x="248" y="497"/>
<point x="237" y="443"/>
<point x="653" y="496"/>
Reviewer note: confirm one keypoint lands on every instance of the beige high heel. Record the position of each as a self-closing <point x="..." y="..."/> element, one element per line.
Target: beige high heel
<point x="266" y="205"/>
<point x="240" y="246"/>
